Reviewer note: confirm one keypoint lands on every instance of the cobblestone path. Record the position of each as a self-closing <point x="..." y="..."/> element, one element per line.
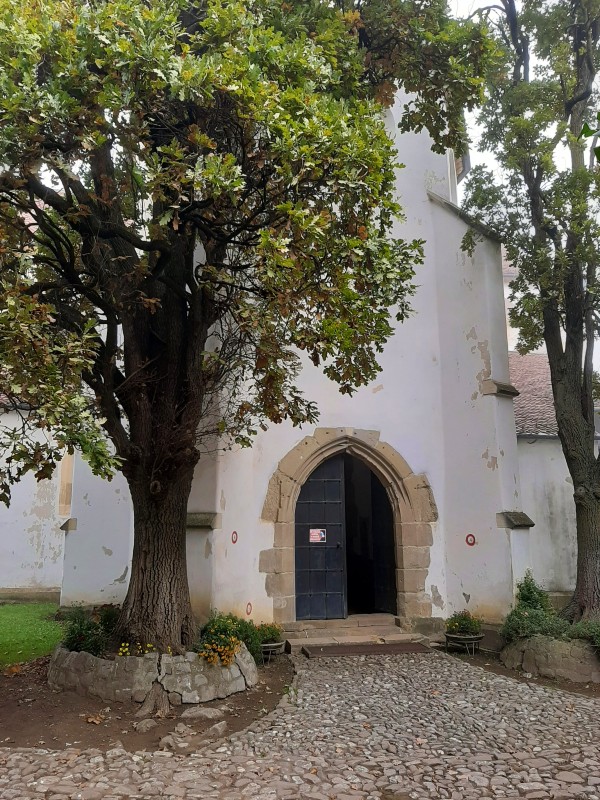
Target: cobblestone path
<point x="377" y="728"/>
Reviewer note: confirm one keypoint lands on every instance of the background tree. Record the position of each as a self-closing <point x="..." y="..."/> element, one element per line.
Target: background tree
<point x="545" y="205"/>
<point x="196" y="193"/>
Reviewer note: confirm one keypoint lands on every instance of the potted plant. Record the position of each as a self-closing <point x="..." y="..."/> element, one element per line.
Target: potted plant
<point x="463" y="629"/>
<point x="271" y="639"/>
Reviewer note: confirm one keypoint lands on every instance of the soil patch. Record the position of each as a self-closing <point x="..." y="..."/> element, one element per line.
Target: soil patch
<point x="33" y="715"/>
<point x="491" y="662"/>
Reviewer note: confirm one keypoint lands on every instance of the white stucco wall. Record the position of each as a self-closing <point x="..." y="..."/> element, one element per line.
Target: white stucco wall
<point x="427" y="403"/>
<point x="481" y="476"/>
<point x="548" y="498"/>
<point x="31" y="541"/>
<point x="98" y="550"/>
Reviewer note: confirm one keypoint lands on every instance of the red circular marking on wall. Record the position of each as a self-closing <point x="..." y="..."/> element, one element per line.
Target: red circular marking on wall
<point x="234" y="537"/>
<point x="248" y="609"/>
<point x="470" y="539"/>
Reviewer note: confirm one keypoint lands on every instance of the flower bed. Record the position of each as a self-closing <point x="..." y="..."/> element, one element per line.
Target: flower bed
<point x="187" y="678"/>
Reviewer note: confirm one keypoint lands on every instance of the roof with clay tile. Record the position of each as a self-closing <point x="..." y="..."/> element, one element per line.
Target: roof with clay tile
<point x="534" y="407"/>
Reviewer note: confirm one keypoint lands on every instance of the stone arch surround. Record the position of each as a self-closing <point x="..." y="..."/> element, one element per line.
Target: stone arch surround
<point x="412" y="502"/>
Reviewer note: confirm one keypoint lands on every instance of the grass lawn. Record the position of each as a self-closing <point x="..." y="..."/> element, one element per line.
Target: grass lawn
<point x="27" y="631"/>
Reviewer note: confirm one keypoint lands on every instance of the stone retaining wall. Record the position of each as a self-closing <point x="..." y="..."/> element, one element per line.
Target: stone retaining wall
<point x="187" y="678"/>
<point x="573" y="660"/>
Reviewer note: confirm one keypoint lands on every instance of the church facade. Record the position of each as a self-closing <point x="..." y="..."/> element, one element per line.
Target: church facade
<point x="405" y="498"/>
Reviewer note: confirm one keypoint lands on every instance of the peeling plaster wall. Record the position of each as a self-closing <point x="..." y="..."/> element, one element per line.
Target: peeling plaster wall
<point x="31" y="541"/>
<point x="98" y="551"/>
<point x="480" y="449"/>
<point x="97" y="558"/>
<point x="548" y="499"/>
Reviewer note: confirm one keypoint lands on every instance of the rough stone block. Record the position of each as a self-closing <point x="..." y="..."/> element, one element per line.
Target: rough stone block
<point x="291" y="463"/>
<point x="412" y="557"/>
<point x="541" y="655"/>
<point x="284" y="609"/>
<point x="280" y="584"/>
<point x="207" y="693"/>
<point x="247" y="666"/>
<point x="411" y="580"/>
<point x="394" y="458"/>
<point x="277" y="559"/>
<point x="271" y="504"/>
<point x="231" y="687"/>
<point x="415" y="604"/>
<point x="414" y="534"/>
<point x="283" y="536"/>
<point x="512" y="655"/>
<point x="421" y="498"/>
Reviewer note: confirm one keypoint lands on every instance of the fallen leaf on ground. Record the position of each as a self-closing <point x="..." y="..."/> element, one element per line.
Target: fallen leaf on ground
<point x="95" y="719"/>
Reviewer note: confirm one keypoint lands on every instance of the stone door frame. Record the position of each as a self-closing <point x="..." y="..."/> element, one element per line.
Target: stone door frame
<point x="410" y="496"/>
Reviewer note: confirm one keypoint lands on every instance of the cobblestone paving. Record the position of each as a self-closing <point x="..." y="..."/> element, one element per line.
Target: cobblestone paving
<point x="377" y="728"/>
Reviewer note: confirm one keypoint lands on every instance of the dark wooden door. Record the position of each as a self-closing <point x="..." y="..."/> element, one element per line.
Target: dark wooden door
<point x="320" y="544"/>
<point x="384" y="550"/>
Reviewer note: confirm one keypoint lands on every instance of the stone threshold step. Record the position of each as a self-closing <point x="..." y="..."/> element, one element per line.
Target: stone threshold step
<point x="331" y="633"/>
<point x="353" y="621"/>
<point x="295" y="645"/>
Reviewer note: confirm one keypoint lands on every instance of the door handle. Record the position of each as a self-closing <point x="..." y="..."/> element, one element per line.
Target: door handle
<point x="339" y="544"/>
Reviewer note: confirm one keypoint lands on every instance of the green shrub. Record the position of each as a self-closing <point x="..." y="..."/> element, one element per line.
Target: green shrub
<point x="82" y="633"/>
<point x="530" y="595"/>
<point x="227" y="625"/>
<point x="463" y="622"/>
<point x="533" y="615"/>
<point x="587" y="629"/>
<point x="108" y="616"/>
<point x="270" y="633"/>
<point x="523" y="622"/>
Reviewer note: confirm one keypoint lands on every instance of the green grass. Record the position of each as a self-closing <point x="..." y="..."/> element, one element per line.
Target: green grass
<point x="27" y="631"/>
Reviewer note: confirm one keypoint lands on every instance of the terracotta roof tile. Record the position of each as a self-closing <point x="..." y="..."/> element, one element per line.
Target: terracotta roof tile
<point x="534" y="407"/>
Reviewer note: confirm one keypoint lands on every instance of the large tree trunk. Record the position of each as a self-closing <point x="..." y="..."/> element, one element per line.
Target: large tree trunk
<point x="157" y="608"/>
<point x="585" y="603"/>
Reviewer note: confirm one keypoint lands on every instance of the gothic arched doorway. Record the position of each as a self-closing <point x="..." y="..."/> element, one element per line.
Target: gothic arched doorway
<point x="344" y="542"/>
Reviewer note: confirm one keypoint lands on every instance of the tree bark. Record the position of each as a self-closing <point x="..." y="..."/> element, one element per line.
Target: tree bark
<point x="585" y="603"/>
<point x="157" y="609"/>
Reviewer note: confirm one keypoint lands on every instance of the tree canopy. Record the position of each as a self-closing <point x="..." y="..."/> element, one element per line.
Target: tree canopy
<point x="545" y="203"/>
<point x="196" y="194"/>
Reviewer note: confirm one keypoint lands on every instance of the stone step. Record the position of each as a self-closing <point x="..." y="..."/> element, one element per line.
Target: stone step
<point x="333" y="633"/>
<point x="353" y="621"/>
<point x="294" y="645"/>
